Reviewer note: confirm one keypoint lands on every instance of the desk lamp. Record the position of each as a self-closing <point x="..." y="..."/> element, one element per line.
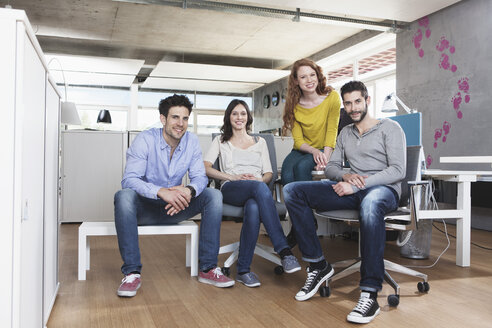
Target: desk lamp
<point x="389" y="104"/>
<point x="69" y="114"/>
<point x="104" y="116"/>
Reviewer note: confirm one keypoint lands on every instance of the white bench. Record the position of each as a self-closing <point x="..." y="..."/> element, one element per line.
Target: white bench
<point x="189" y="228"/>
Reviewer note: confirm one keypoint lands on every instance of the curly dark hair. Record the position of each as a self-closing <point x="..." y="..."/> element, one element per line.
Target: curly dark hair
<point x="226" y="129"/>
<point x="352" y="86"/>
<point x="172" y="101"/>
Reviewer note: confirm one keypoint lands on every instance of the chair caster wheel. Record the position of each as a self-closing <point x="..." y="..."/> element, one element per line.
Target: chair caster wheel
<point x="226" y="271"/>
<point x="278" y="270"/>
<point x="393" y="300"/>
<point x="423" y="287"/>
<point x="325" y="291"/>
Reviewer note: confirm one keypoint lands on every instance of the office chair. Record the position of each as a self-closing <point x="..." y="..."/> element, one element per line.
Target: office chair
<point x="237" y="212"/>
<point x="403" y="219"/>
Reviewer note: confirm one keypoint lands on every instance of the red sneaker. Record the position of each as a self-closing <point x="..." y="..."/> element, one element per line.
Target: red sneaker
<point x="129" y="285"/>
<point x="215" y="277"/>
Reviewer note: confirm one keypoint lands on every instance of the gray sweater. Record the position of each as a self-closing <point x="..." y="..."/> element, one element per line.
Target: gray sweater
<point x="379" y="153"/>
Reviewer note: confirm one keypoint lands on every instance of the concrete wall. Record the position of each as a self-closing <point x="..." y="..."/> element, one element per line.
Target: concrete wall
<point x="444" y="70"/>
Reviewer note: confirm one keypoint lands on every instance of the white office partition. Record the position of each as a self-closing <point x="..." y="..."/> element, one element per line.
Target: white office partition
<point x="26" y="197"/>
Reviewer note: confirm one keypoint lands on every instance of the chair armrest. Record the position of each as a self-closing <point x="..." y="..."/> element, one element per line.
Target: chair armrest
<point x="414" y="210"/>
<point x="277" y="188"/>
<point x="421" y="182"/>
<point x="216" y="183"/>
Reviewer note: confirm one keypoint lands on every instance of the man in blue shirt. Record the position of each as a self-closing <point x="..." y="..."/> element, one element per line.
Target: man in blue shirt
<point x="152" y="193"/>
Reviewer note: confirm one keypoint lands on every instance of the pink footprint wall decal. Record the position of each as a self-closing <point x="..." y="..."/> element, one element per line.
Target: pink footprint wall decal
<point x="446" y="50"/>
<point x="442" y="44"/>
<point x="428" y="160"/>
<point x="424" y="22"/>
<point x="417" y="38"/>
<point x="437" y="136"/>
<point x="456" y="104"/>
<point x="464" y="86"/>
<point x="444" y="63"/>
<point x="445" y="127"/>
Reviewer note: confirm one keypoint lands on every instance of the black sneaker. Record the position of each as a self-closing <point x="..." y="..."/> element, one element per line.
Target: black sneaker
<point x="366" y="309"/>
<point x="313" y="281"/>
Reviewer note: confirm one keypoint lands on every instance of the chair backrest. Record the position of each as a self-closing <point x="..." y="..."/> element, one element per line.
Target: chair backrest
<point x="414" y="169"/>
<point x="344" y="120"/>
<point x="270" y="141"/>
<point x="411" y="124"/>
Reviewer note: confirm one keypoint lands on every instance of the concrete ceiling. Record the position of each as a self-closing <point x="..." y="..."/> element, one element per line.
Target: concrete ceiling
<point x="167" y="32"/>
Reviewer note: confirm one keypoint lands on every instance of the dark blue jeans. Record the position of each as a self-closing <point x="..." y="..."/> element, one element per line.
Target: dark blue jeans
<point x="132" y="210"/>
<point x="373" y="203"/>
<point x="259" y="205"/>
<point x="297" y="166"/>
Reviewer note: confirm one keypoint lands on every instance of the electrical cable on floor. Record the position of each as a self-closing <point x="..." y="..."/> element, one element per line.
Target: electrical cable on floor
<point x="430" y="199"/>
<point x="445" y="232"/>
<point x="474" y="244"/>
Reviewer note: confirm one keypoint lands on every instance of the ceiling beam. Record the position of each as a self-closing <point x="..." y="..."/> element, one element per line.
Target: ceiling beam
<point x="295" y="16"/>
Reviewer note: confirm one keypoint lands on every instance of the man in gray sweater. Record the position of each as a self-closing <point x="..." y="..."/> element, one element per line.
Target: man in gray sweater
<point x="376" y="151"/>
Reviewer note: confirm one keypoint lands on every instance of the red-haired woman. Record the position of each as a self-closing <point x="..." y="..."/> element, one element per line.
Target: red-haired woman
<point x="311" y="112"/>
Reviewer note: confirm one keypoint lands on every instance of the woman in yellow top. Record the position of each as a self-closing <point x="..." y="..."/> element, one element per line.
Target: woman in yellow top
<point x="311" y="112"/>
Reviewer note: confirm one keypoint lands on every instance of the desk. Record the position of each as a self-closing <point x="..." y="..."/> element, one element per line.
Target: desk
<point x="466" y="159"/>
<point x="462" y="213"/>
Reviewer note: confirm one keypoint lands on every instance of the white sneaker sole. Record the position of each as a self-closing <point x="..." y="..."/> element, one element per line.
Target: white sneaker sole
<point x="359" y="319"/>
<point x="304" y="297"/>
<point x="257" y="284"/>
<point x="216" y="284"/>
<point x="293" y="270"/>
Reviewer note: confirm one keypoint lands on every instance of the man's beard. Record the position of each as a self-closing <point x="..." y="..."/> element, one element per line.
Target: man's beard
<point x="362" y="115"/>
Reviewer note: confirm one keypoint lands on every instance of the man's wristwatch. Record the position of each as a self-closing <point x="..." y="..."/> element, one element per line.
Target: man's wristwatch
<point x="193" y="191"/>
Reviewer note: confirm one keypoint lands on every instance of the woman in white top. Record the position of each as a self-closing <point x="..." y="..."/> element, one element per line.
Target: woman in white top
<point x="245" y="170"/>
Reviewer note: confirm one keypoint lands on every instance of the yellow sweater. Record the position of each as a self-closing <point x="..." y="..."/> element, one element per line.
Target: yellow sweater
<point x="317" y="126"/>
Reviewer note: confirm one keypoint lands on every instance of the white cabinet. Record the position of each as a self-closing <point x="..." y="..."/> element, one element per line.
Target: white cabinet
<point x="30" y="106"/>
<point x="92" y="169"/>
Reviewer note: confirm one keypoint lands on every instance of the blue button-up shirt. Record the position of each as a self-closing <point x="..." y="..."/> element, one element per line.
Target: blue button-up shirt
<point x="149" y="165"/>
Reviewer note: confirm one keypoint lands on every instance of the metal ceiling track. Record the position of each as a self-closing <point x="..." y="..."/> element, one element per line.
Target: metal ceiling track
<point x="295" y="16"/>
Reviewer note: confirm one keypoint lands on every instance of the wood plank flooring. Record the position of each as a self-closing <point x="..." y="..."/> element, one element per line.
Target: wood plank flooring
<point x="169" y="297"/>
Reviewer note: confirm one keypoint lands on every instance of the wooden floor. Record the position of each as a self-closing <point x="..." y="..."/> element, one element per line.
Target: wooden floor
<point x="169" y="297"/>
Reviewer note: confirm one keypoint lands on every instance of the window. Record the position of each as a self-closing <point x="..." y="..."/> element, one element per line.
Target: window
<point x="218" y="102"/>
<point x="207" y="114"/>
<point x="209" y="123"/>
<point x="90" y="101"/>
<point x="88" y="117"/>
<point x="378" y="74"/>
